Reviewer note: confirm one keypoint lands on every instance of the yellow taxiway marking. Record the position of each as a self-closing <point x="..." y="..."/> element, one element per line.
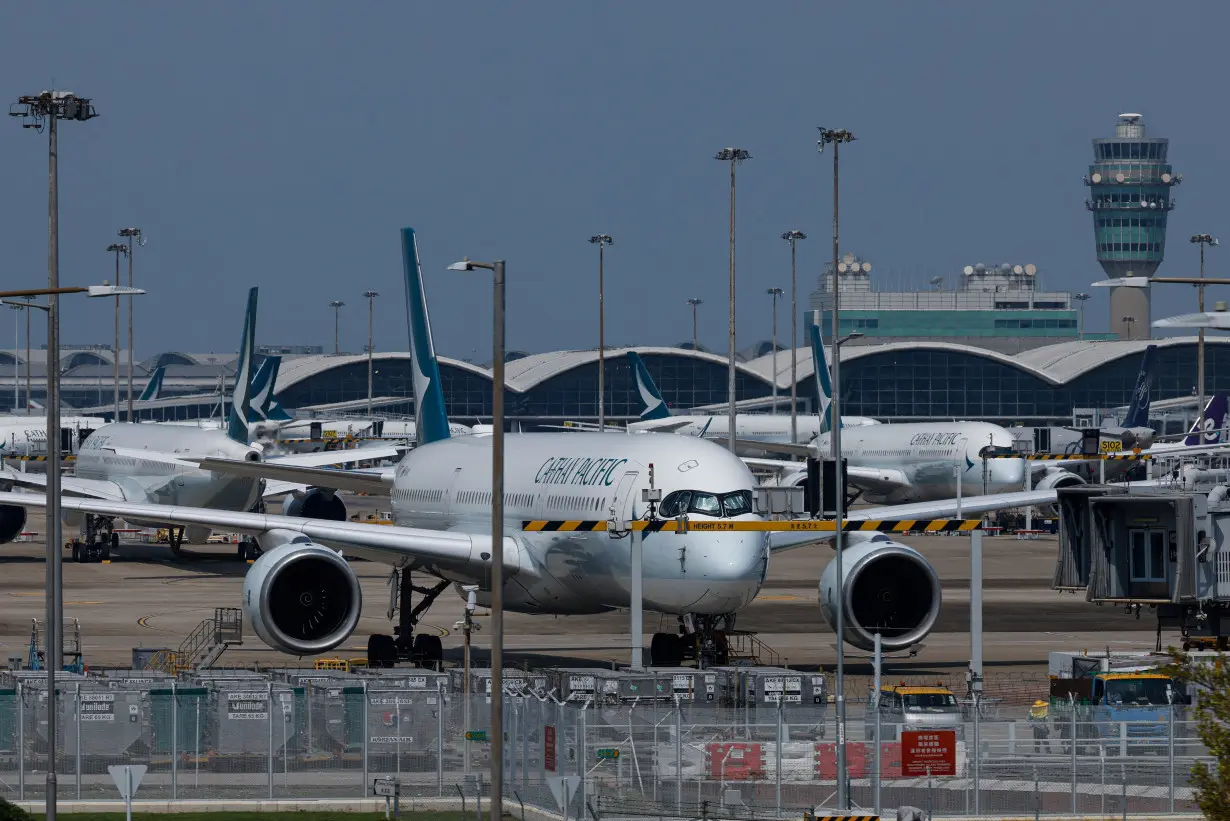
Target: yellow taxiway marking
<point x="40" y="595"/>
<point x="777" y="598"/>
<point x="84" y="602"/>
<point x="144" y="622"/>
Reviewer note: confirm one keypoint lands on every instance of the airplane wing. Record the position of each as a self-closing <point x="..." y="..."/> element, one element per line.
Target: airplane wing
<point x="773" y="447"/>
<point x="879" y="481"/>
<point x="365" y="481"/>
<point x="72" y="485"/>
<point x="333" y="457"/>
<point x="384" y="543"/>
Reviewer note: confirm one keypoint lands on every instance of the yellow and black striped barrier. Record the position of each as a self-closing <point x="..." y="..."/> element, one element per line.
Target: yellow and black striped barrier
<point x="710" y="526"/>
<point x="64" y="458"/>
<point x="1056" y="457"/>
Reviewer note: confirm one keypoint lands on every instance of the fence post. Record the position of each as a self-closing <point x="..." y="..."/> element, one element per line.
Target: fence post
<point x="1123" y="789"/>
<point x="21" y="744"/>
<point x="977" y="748"/>
<point x="440" y="739"/>
<point x="1170" y="745"/>
<point x="1102" y="761"/>
<point x="778" y="768"/>
<point x="174" y="743"/>
<point x="366" y="732"/>
<point x="930" y="794"/>
<point x="584" y="758"/>
<point x="196" y="746"/>
<point x="1037" y="797"/>
<point x="269" y="726"/>
<point x="678" y="759"/>
<point x="1075" y="728"/>
<point x="77" y="763"/>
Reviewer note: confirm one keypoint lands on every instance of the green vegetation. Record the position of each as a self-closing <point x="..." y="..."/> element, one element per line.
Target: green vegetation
<point x="1212" y="783"/>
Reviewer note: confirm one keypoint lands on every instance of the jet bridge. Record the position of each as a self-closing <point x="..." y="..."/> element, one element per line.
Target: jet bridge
<point x="1166" y="550"/>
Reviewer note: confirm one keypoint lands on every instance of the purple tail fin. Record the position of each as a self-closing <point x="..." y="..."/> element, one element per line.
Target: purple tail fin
<point x="1213" y="422"/>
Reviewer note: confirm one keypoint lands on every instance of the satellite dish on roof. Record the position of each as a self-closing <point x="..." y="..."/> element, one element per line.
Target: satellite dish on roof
<point x="1166" y="177"/>
<point x="866" y="267"/>
<point x="841" y="267"/>
<point x="1031" y="269"/>
<point x="936" y="281"/>
<point x="1096" y="177"/>
<point x="848" y="258"/>
<point x="980" y="268"/>
<point x="1018" y="270"/>
<point x="1005" y="267"/>
<point x="968" y="270"/>
<point x="1119" y="177"/>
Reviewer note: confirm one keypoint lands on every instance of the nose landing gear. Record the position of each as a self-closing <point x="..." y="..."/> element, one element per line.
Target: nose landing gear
<point x="97" y="542"/>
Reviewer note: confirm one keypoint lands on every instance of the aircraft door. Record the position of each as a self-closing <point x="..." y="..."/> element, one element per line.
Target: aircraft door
<point x="452" y="491"/>
<point x="625" y="507"/>
<point x="66" y="441"/>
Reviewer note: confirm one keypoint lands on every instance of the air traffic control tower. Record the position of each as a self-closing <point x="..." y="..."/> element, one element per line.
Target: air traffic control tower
<point x="1129" y="184"/>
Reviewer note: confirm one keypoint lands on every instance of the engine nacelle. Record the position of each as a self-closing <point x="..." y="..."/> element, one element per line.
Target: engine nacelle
<point x="316" y="503"/>
<point x="1054" y="479"/>
<point x="889" y="588"/>
<point x="302" y="598"/>
<point x="12" y="522"/>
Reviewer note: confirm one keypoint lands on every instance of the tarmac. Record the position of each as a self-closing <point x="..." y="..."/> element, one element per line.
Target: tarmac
<point x="146" y="599"/>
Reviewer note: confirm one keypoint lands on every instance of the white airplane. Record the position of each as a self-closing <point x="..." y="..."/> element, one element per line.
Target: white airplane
<point x="896" y="463"/>
<point x="158" y="465"/>
<point x="302" y="597"/>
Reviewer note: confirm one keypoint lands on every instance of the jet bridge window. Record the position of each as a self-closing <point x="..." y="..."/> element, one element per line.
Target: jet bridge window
<point x="679" y="502"/>
<point x="1148" y="555"/>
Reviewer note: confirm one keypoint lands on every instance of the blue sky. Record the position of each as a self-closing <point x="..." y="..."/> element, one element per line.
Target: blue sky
<point x="283" y="144"/>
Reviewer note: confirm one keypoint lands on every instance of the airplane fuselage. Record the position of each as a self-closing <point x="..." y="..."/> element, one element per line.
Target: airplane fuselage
<point x="770" y="428"/>
<point x="446" y="485"/>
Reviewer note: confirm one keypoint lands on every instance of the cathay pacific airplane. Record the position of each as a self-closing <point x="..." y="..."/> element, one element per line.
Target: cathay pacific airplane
<point x="302" y="597"/>
<point x="158" y="464"/>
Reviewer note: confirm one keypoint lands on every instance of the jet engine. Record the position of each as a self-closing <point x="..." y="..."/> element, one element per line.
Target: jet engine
<point x="12" y="522"/>
<point x="887" y="587"/>
<point x="1054" y="479"/>
<point x="316" y="503"/>
<point x="302" y="598"/>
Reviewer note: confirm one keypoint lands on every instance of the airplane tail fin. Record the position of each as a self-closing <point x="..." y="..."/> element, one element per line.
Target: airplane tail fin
<point x="824" y="385"/>
<point x="1138" y="411"/>
<point x="241" y="402"/>
<point x="153" y="388"/>
<point x="431" y="420"/>
<point x="264" y="402"/>
<point x="1213" y="423"/>
<point x="651" y="397"/>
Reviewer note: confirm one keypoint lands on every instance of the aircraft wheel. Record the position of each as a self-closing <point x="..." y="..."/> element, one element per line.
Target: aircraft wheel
<point x="77" y="552"/>
<point x="381" y="651"/>
<point x="429" y="650"/>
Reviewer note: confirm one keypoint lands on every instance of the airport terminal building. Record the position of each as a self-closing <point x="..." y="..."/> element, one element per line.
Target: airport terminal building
<point x="887" y="380"/>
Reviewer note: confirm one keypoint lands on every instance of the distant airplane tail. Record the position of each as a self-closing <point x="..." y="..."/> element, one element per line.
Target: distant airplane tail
<point x="153" y="388"/>
<point x="241" y="405"/>
<point x="824" y="385"/>
<point x="431" y="422"/>
<point x="264" y="402"/>
<point x="651" y="397"/>
<point x="1208" y="431"/>
<point x="1138" y="411"/>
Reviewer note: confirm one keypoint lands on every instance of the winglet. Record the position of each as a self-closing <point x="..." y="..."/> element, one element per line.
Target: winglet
<point x="154" y="386"/>
<point x="1213" y="422"/>
<point x="1138" y="411"/>
<point x="824" y="387"/>
<point x="651" y="397"/>
<point x="431" y="422"/>
<point x="241" y="406"/>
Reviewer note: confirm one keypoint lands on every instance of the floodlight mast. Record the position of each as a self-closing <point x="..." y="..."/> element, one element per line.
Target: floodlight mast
<point x="119" y="249"/>
<point x="1202" y="240"/>
<point x="836" y="138"/>
<point x="39" y="111"/>
<point x="131" y="234"/>
<point x="694" y="301"/>
<point x="793" y="237"/>
<point x="734" y="156"/>
<point x="601" y="240"/>
<point x="371" y="313"/>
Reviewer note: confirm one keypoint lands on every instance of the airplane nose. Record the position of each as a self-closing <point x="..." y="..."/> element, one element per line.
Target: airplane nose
<point x="735" y="557"/>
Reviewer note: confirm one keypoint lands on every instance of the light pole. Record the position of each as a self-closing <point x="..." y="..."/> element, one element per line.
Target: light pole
<point x="27" y="304"/>
<point x="793" y="238"/>
<point x="132" y="234"/>
<point x="41" y="111"/>
<point x="1202" y="240"/>
<point x="371" y="313"/>
<point x="774" y="293"/>
<point x="497" y="534"/>
<point x="694" y="301"/>
<point x="16" y="344"/>
<point x="118" y="249"/>
<point x="337" y="306"/>
<point x="1131" y="325"/>
<point x="1080" y="298"/>
<point x="602" y="241"/>
<point x="734" y="156"/>
<point x="836" y="138"/>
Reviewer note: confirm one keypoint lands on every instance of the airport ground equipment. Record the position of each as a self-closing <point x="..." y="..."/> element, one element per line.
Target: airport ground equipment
<point x="1163" y="550"/>
<point x="1119" y="702"/>
<point x="72" y="662"/>
<point x="204" y="645"/>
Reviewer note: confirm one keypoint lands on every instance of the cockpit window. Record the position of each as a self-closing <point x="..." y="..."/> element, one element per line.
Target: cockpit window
<point x="680" y="502"/>
<point x="737" y="503"/>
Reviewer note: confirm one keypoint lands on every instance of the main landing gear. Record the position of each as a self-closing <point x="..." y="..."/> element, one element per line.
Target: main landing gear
<point x="423" y="650"/>
<point x="97" y="542"/>
<point x="700" y="638"/>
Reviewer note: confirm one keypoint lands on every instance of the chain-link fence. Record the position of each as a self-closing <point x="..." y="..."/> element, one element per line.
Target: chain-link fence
<point x="260" y="738"/>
